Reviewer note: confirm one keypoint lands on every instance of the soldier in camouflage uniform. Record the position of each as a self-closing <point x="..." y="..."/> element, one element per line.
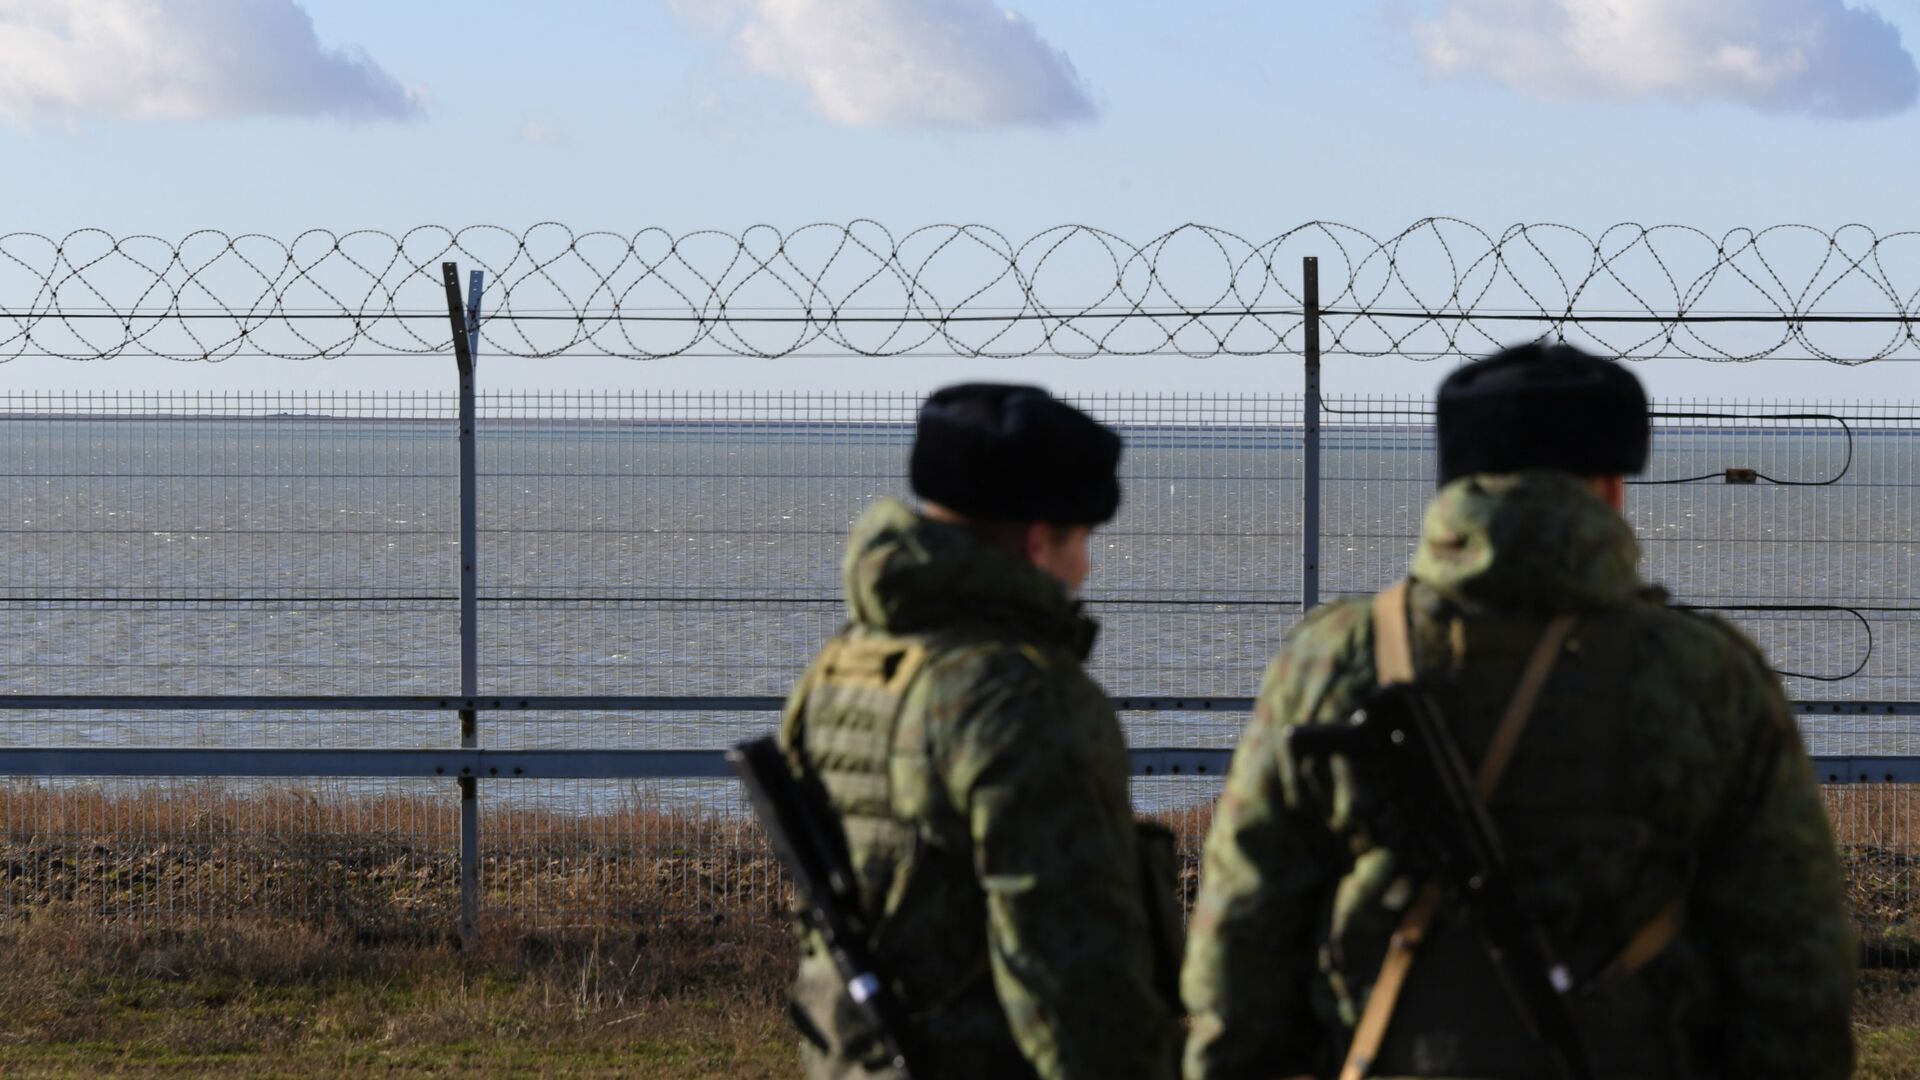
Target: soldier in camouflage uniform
<point x="979" y="774"/>
<point x="1659" y="813"/>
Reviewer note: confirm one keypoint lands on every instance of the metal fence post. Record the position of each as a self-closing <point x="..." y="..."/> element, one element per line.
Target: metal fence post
<point x="465" y="321"/>
<point x="1310" y="458"/>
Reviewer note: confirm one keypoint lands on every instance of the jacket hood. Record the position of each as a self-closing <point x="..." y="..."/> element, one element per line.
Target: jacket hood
<point x="1533" y="541"/>
<point x="905" y="574"/>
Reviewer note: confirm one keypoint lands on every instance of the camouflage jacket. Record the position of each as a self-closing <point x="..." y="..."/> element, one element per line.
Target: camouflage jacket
<point x="982" y="781"/>
<point x="1662" y="763"/>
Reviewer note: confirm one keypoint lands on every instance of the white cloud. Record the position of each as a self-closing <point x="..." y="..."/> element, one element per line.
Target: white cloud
<point x="1811" y="56"/>
<point x="68" y="60"/>
<point x="903" y="63"/>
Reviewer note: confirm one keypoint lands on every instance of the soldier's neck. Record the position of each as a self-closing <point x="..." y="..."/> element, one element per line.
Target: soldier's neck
<point x="1613" y="489"/>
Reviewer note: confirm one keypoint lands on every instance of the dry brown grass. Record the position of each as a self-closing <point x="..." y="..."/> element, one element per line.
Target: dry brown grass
<point x="385" y="869"/>
<point x="241" y="997"/>
<point x="373" y="869"/>
<point x="1878" y="827"/>
<point x="192" y="929"/>
<point x="1883" y="815"/>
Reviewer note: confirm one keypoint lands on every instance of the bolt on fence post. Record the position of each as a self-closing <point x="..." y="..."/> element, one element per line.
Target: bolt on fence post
<point x="465" y="321"/>
<point x="1310" y="437"/>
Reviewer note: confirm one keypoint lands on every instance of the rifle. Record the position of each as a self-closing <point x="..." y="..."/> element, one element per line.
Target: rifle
<point x="1437" y="821"/>
<point x="812" y="849"/>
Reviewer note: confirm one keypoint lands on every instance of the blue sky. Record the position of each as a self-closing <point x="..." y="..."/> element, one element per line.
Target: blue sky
<point x="1252" y="116"/>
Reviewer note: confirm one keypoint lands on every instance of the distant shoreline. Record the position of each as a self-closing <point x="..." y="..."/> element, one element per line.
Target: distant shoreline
<point x="1862" y="426"/>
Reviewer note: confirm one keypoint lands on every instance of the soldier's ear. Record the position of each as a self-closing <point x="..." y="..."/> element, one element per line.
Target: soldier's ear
<point x="1037" y="541"/>
<point x="1043" y="540"/>
<point x="1060" y="550"/>
<point x="1612" y="488"/>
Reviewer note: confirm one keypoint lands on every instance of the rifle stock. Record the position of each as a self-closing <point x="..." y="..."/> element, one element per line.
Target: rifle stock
<point x="812" y="849"/>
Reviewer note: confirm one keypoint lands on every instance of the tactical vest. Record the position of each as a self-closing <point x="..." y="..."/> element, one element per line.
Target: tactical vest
<point x="845" y="722"/>
<point x="1450" y="1017"/>
<point x="920" y="909"/>
<point x="923" y="911"/>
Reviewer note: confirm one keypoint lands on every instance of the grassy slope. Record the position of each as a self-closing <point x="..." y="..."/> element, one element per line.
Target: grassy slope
<point x="278" y="1003"/>
<point x="422" y="1026"/>
<point x="1888" y="1020"/>
<point x="692" y="986"/>
<point x="478" y="1025"/>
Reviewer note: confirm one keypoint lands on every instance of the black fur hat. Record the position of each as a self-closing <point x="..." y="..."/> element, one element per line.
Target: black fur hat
<point x="1541" y="406"/>
<point x="1015" y="453"/>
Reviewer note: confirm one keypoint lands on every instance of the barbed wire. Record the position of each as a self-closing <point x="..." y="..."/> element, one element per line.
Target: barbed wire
<point x="1439" y="288"/>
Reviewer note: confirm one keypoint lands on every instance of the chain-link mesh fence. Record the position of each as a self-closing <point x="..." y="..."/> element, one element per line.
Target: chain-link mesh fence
<point x="686" y="544"/>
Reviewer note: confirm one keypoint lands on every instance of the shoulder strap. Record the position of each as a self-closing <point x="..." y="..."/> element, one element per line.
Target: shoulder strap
<point x="1513" y="722"/>
<point x="1392" y="636"/>
<point x="1372" y="1029"/>
<point x="1393" y="662"/>
<point x="1649" y="941"/>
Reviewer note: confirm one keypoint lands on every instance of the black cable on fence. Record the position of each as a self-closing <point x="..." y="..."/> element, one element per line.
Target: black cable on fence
<point x="1866" y="625"/>
<point x="1846" y="466"/>
<point x="1424" y="412"/>
<point x="1856" y="611"/>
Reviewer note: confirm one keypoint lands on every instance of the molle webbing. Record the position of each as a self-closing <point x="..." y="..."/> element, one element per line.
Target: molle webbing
<point x="846" y="723"/>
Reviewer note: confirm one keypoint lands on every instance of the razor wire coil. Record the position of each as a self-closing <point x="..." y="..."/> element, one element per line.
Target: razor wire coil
<point x="1438" y="288"/>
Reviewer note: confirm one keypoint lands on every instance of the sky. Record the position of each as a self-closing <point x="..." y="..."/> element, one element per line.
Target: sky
<point x="165" y="116"/>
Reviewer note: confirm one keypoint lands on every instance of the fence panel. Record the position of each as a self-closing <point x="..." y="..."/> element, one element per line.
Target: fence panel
<point x="227" y="543"/>
<point x="686" y="544"/>
<point x="222" y="543"/>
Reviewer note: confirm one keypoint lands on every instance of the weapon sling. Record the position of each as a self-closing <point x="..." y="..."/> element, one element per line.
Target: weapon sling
<point x="1393" y="663"/>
